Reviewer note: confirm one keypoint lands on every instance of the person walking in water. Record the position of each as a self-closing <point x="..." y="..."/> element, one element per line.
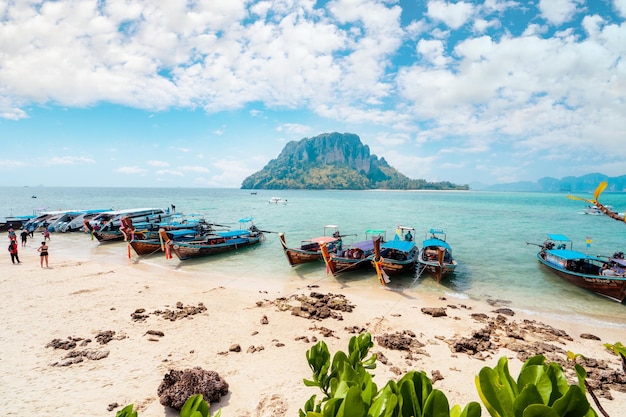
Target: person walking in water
<point x="13" y="251"/>
<point x="43" y="253"/>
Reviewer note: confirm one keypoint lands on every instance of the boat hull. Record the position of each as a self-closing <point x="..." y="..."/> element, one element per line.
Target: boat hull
<point x="146" y="247"/>
<point x="606" y="286"/>
<point x="190" y="250"/>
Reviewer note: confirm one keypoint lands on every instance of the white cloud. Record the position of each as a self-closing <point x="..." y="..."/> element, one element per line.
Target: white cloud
<point x="158" y="163"/>
<point x="130" y="170"/>
<point x="558" y="11"/>
<point x="453" y="15"/>
<point x="68" y="160"/>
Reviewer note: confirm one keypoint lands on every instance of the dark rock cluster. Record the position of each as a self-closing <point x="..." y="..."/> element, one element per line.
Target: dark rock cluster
<point x="181" y="311"/>
<point x="177" y="386"/>
<point x="316" y="306"/>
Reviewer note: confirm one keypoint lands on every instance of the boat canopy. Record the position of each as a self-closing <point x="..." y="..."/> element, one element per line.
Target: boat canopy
<point x="180" y="232"/>
<point x="620" y="262"/>
<point x="436" y="231"/>
<point x="436" y="242"/>
<point x="571" y="255"/>
<point x="366" y="245"/>
<point x="234" y="233"/>
<point x="558" y="237"/>
<point x="321" y="239"/>
<point x="401" y="245"/>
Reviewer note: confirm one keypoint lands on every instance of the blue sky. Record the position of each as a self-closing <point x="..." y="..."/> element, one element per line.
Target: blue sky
<point x="204" y="93"/>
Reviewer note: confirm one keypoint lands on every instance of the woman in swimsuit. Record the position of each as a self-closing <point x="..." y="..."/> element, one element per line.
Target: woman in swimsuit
<point x="43" y="253"/>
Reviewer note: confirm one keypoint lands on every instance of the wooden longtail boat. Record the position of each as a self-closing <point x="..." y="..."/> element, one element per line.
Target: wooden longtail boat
<point x="604" y="277"/>
<point x="353" y="256"/>
<point x="398" y="256"/>
<point x="144" y="247"/>
<point x="435" y="256"/>
<point x="310" y="250"/>
<point x="214" y="243"/>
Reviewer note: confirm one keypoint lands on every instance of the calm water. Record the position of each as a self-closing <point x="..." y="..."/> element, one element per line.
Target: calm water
<point x="488" y="232"/>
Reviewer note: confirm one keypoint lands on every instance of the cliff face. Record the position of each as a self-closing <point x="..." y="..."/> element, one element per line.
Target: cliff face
<point x="333" y="161"/>
<point x="329" y="148"/>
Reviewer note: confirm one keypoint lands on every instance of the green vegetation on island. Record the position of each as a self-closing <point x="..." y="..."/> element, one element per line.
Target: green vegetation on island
<point x="336" y="161"/>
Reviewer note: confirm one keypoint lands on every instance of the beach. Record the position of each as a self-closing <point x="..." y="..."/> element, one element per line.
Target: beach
<point x="134" y="321"/>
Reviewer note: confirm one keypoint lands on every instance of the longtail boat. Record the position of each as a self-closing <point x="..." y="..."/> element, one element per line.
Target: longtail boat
<point x="435" y="256"/>
<point x="397" y="256"/>
<point x="604" y="277"/>
<point x="353" y="256"/>
<point x="215" y="242"/>
<point x="309" y="249"/>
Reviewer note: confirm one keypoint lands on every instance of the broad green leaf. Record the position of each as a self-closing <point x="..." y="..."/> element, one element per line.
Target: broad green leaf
<point x="127" y="411"/>
<point x="529" y="395"/>
<point x="536" y="376"/>
<point x="560" y="384"/>
<point x="436" y="405"/>
<point x="472" y="409"/>
<point x="573" y="404"/>
<point x="193" y="404"/>
<point x="496" y="396"/>
<point x="352" y="405"/>
<point x="409" y="404"/>
<point x="540" y="410"/>
<point x="385" y="404"/>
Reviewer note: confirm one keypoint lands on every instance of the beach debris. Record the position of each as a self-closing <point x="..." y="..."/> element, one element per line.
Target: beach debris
<point x="528" y="338"/>
<point x="589" y="336"/>
<point x="324" y="331"/>
<point x="69" y="343"/>
<point x="316" y="306"/>
<point x="434" y="311"/>
<point x="155" y="333"/>
<point x="436" y="376"/>
<point x="112" y="406"/>
<point x="181" y="311"/>
<point x="264" y="320"/>
<point x="178" y="385"/>
<point x="78" y="356"/>
<point x="235" y="348"/>
<point x="105" y="337"/>
<point x="506" y="311"/>
<point x="405" y="340"/>
<point x="253" y="349"/>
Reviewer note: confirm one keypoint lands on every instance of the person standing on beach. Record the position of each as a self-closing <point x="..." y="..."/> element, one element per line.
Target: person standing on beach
<point x="13" y="251"/>
<point x="43" y="253"/>
<point x="24" y="236"/>
<point x="46" y="234"/>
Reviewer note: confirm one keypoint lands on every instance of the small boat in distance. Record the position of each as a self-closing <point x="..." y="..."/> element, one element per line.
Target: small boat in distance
<point x="398" y="256"/>
<point x="606" y="278"/>
<point x="278" y="200"/>
<point x="435" y="256"/>
<point x="352" y="256"/>
<point x="310" y="250"/>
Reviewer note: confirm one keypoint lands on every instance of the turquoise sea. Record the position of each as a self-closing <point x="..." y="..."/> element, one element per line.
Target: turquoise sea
<point x="488" y="231"/>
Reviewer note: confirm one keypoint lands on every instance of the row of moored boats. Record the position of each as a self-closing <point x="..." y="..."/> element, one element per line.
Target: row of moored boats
<point x="153" y="230"/>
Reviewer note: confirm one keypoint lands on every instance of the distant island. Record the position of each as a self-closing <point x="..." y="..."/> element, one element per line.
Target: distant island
<point x="582" y="184"/>
<point x="338" y="161"/>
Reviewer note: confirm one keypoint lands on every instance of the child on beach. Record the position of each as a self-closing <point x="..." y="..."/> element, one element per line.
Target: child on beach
<point x="13" y="251"/>
<point x="43" y="253"/>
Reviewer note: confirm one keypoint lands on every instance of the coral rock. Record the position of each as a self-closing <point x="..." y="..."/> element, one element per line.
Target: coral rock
<point x="178" y="386"/>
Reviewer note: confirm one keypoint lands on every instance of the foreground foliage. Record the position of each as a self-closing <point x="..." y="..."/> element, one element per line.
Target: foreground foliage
<point x="195" y="406"/>
<point x="540" y="389"/>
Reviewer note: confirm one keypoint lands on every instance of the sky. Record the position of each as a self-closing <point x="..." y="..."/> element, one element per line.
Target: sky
<point x="203" y="93"/>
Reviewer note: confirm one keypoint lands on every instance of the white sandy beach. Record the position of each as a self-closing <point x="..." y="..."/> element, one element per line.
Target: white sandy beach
<point x="81" y="295"/>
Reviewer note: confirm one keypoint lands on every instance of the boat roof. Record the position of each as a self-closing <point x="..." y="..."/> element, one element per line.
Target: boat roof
<point x="436" y="242"/>
<point x="234" y="233"/>
<point x="321" y="239"/>
<point x="180" y="232"/>
<point x="401" y="245"/>
<point x="558" y="237"/>
<point x="571" y="255"/>
<point x="365" y="245"/>
<point x="436" y="230"/>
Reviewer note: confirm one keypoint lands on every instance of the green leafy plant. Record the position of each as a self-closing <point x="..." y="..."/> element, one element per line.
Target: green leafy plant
<point x="540" y="390"/>
<point x="195" y="406"/>
<point x="127" y="412"/>
<point x="349" y="390"/>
